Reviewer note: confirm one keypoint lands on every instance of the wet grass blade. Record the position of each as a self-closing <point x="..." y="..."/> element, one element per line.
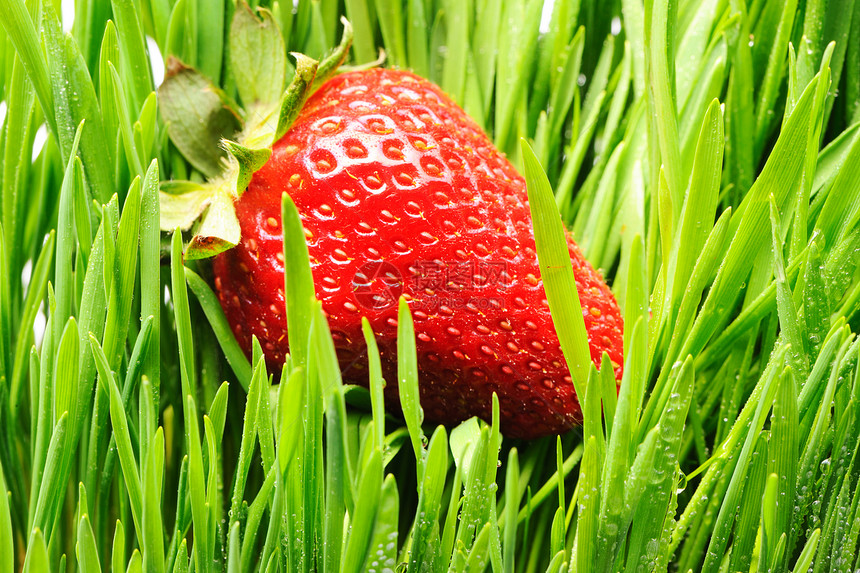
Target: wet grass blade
<point x="299" y="285"/>
<point x="121" y="431"/>
<point x="557" y="272"/>
<point x="215" y="314"/>
<point x="407" y="374"/>
<point x="364" y="521"/>
<point x="7" y="543"/>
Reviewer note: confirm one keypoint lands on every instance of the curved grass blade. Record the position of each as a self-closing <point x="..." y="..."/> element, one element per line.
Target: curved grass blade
<point x="557" y="271"/>
<point x="407" y="375"/>
<point x="218" y="321"/>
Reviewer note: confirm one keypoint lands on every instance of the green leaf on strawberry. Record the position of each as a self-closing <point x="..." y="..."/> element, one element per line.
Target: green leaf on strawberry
<point x="226" y="144"/>
<point x="258" y="57"/>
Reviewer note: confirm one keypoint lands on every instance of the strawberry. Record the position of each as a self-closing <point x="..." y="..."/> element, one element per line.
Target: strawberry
<point x="400" y="192"/>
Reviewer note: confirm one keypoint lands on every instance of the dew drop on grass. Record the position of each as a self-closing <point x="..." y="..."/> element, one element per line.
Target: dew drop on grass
<point x="682" y="483"/>
<point x="666" y="431"/>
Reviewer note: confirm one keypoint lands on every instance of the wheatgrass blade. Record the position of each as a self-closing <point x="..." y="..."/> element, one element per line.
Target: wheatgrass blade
<point x="182" y="316"/>
<point x="783" y="454"/>
<point x="363" y="522"/>
<point x="7" y="541"/>
<point x="749" y="516"/>
<point x="700" y="202"/>
<point x="557" y="272"/>
<point x="117" y="92"/>
<point x="15" y="173"/>
<point x="383" y="546"/>
<point x="118" y="547"/>
<point x="390" y="20"/>
<point x="70" y="77"/>
<point x="337" y="482"/>
<point x="23" y="33"/>
<point x="119" y="423"/>
<point x="707" y="89"/>
<point x="649" y="516"/>
<point x="485" y="41"/>
<point x="457" y="25"/>
<point x="407" y="385"/>
<point x="776" y="64"/>
<point x="35" y="294"/>
<point x="313" y="490"/>
<point x="255" y="515"/>
<point x="416" y="37"/>
<point x="777" y="178"/>
<point x="133" y="50"/>
<point x="377" y="384"/>
<point x="37" y="553"/>
<point x="520" y="21"/>
<point x="215" y="522"/>
<point x="153" y="525"/>
<point x="512" y="503"/>
<point x="259" y="384"/>
<point x="197" y="488"/>
<point x="298" y="286"/>
<point x="364" y="46"/>
<point x="215" y="314"/>
<point x="726" y="518"/>
<point x="788" y="321"/>
<point x="425" y="530"/>
<point x="87" y="552"/>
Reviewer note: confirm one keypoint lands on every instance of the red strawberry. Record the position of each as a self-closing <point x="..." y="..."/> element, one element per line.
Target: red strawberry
<point x="400" y="192"/>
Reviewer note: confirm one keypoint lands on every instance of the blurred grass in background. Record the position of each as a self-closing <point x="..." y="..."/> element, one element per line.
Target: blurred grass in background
<point x="705" y="154"/>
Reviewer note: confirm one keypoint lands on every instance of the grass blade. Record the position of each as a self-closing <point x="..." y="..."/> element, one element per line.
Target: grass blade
<point x="557" y="272"/>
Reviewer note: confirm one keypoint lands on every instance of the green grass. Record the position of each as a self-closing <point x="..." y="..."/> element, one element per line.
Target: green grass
<point x="706" y="156"/>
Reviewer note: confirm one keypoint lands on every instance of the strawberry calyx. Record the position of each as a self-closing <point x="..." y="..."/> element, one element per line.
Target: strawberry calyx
<point x="228" y="144"/>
